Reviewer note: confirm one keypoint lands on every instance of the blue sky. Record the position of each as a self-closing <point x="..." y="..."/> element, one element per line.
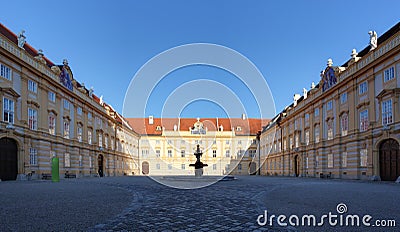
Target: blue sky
<point x="107" y="42"/>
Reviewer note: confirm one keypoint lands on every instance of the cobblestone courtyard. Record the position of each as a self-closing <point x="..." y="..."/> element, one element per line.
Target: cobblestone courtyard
<point x="141" y="204"/>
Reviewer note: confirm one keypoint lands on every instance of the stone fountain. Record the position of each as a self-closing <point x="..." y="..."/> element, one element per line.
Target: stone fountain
<point x="198" y="166"/>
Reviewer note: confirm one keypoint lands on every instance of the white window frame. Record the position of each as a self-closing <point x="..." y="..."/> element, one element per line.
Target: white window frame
<point x="344" y="124"/>
<point x="5" y="72"/>
<point x="33" y="159"/>
<point x="330" y="129"/>
<point x="387" y="112"/>
<point x="79" y="132"/>
<point x="158" y="153"/>
<point x="388" y="74"/>
<point x="52" y="124"/>
<point x="32" y="119"/>
<point x="329" y="105"/>
<point x="364" y="121"/>
<point x="51" y="96"/>
<point x="307" y="137"/>
<point x="66" y="104"/>
<point x="32" y="86"/>
<point x="100" y="138"/>
<point x="363" y="157"/>
<point x="344" y="159"/>
<point x="214" y="153"/>
<point x="183" y="153"/>
<point x="66" y="130"/>
<point x="330" y="161"/>
<point x="227" y="153"/>
<point x="317" y="134"/>
<point x="89" y="137"/>
<point x="183" y="166"/>
<point x="169" y="152"/>
<point x="363" y="88"/>
<point x="8" y="110"/>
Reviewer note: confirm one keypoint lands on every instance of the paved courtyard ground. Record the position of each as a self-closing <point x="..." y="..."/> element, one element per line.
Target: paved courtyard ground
<point x="141" y="204"/>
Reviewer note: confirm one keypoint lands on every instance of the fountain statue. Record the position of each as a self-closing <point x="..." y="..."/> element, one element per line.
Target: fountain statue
<point x="198" y="166"/>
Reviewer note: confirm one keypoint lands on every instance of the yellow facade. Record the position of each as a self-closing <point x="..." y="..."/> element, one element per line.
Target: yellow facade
<point x="46" y="118"/>
<point x="341" y="128"/>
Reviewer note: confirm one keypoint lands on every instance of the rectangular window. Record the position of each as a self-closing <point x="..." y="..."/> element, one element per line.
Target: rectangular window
<point x="296" y="140"/>
<point x="89" y="136"/>
<point x="52" y="96"/>
<point x="227" y="142"/>
<point x="388" y="74"/>
<point x="66" y="129"/>
<point x="183" y="166"/>
<point x="5" y="72"/>
<point x="91" y="162"/>
<point x="284" y="145"/>
<point x="32" y="86"/>
<point x="307" y="120"/>
<point x="8" y="110"/>
<point x="306" y="162"/>
<point x="330" y="130"/>
<point x="344" y="159"/>
<point x="364" y="120"/>
<point x="158" y="166"/>
<point x="158" y="142"/>
<point x="112" y="143"/>
<point x="66" y="104"/>
<point x="145" y="153"/>
<point x="214" y="167"/>
<point x="227" y="153"/>
<point x="316" y="161"/>
<point x="290" y="142"/>
<point x="79" y="110"/>
<point x="80" y="161"/>
<point x="344" y="124"/>
<point x="363" y="157"/>
<point x="316" y="134"/>
<point x="158" y="153"/>
<point x="330" y="160"/>
<point x="32" y="156"/>
<point x="214" y="153"/>
<point x="52" y="124"/>
<point x="316" y="112"/>
<point x="169" y="166"/>
<point x="106" y="141"/>
<point x="182" y="153"/>
<point x="329" y="105"/>
<point x="89" y="116"/>
<point x="343" y="98"/>
<point x="387" y="116"/>
<point x="362" y="88"/>
<point x="170" y="153"/>
<point x="307" y="135"/>
<point x="67" y="160"/>
<point x="239" y="167"/>
<point x="100" y="140"/>
<point x="79" y="133"/>
<point x="32" y="119"/>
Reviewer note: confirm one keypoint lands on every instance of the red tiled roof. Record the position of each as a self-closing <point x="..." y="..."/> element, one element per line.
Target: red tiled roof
<point x="249" y="126"/>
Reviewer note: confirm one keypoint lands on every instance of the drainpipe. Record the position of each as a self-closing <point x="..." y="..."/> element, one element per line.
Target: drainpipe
<point x="258" y="150"/>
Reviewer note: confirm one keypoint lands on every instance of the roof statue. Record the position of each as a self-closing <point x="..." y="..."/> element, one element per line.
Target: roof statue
<point x="21" y="39"/>
<point x="373" y="40"/>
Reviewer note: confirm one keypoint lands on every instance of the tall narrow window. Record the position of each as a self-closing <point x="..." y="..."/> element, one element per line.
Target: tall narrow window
<point x="344" y="159"/>
<point x="158" y="153"/>
<point x="183" y="166"/>
<point x="387" y="116"/>
<point x="364" y="120"/>
<point x="214" y="153"/>
<point x="344" y="124"/>
<point x="89" y="136"/>
<point x="363" y="157"/>
<point x="343" y="98"/>
<point x="307" y="137"/>
<point x="66" y="129"/>
<point x="170" y="153"/>
<point x="32" y="119"/>
<point x="32" y="156"/>
<point x="80" y="161"/>
<point x="106" y="141"/>
<point x="227" y="153"/>
<point x="66" y="104"/>
<point x="316" y="133"/>
<point x="100" y="136"/>
<point x="330" y="160"/>
<point x="330" y="129"/>
<point x="8" y="110"/>
<point x="52" y="124"/>
<point x="329" y="105"/>
<point x="79" y="133"/>
<point x="307" y="119"/>
<point x="182" y="153"/>
<point x="67" y="160"/>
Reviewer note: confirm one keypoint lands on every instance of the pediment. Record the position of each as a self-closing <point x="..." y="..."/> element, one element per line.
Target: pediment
<point x="10" y="91"/>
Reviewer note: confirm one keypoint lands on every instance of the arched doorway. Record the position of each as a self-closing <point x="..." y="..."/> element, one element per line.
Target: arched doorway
<point x="252" y="168"/>
<point x="145" y="168"/>
<point x="100" y="161"/>
<point x="8" y="159"/>
<point x="389" y="160"/>
<point x="296" y="165"/>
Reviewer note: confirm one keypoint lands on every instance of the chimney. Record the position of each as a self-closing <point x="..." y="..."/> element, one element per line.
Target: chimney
<point x="305" y="93"/>
<point x="151" y="120"/>
<point x="243" y="116"/>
